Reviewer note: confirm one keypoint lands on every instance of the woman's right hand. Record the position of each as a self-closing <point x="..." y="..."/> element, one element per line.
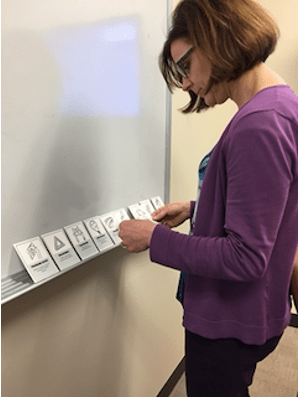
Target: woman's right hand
<point x="172" y="214"/>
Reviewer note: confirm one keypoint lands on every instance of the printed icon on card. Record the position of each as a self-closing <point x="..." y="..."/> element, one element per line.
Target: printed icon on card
<point x="157" y="202"/>
<point x="148" y="207"/>
<point x="94" y="225"/>
<point x="142" y="210"/>
<point x="58" y="244"/>
<point x="77" y="232"/>
<point x="81" y="240"/>
<point x="36" y="259"/>
<point x="111" y="222"/>
<point x="121" y="215"/>
<point x="33" y="251"/>
<point x="138" y="212"/>
<point x="61" y="249"/>
<point x="99" y="235"/>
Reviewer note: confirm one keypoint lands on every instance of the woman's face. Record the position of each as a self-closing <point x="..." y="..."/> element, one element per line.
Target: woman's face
<point x="198" y="69"/>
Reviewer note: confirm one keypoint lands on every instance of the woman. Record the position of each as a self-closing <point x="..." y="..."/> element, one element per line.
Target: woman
<point x="238" y="258"/>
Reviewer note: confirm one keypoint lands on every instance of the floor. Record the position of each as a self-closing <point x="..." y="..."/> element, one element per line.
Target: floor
<point x="276" y="375"/>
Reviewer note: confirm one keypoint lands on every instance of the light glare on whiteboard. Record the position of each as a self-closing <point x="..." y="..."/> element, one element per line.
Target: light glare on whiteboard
<point x="99" y="65"/>
<point x="121" y="32"/>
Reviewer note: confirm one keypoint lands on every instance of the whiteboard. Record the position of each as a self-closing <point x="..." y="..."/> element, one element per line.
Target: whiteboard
<point x="85" y="113"/>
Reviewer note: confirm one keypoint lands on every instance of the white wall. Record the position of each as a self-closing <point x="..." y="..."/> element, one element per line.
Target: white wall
<point x="108" y="328"/>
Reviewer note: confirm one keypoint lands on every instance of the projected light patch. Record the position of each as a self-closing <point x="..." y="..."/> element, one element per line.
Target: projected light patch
<point x="100" y="72"/>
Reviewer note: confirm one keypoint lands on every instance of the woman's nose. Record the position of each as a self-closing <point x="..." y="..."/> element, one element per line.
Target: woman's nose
<point x="186" y="84"/>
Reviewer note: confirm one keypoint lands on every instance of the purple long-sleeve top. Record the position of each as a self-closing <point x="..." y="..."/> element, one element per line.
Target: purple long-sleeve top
<point x="239" y="259"/>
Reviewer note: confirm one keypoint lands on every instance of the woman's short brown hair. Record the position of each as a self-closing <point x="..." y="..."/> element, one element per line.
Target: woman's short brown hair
<point x="235" y="35"/>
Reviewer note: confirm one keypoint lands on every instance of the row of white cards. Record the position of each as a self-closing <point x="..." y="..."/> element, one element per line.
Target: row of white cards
<point x="66" y="247"/>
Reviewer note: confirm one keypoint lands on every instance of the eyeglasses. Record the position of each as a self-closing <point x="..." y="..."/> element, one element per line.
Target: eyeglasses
<point x="181" y="66"/>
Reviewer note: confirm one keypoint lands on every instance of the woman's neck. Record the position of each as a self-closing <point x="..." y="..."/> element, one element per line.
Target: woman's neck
<point x="250" y="83"/>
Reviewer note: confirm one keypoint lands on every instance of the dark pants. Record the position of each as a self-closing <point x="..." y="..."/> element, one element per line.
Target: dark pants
<point x="222" y="367"/>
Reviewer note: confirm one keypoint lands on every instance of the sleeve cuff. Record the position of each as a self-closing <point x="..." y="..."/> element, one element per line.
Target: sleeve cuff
<point x="159" y="244"/>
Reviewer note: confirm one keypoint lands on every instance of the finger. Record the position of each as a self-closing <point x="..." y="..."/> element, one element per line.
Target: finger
<point x="159" y="214"/>
<point x="123" y="223"/>
<point x="122" y="227"/>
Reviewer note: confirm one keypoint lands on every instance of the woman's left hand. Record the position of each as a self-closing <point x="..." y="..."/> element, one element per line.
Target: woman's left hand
<point x="136" y="234"/>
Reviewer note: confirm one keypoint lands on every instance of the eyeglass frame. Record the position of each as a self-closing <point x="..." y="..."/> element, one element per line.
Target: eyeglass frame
<point x="180" y="72"/>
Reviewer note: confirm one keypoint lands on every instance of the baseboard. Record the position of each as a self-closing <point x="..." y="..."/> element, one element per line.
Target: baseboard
<point x="173" y="380"/>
